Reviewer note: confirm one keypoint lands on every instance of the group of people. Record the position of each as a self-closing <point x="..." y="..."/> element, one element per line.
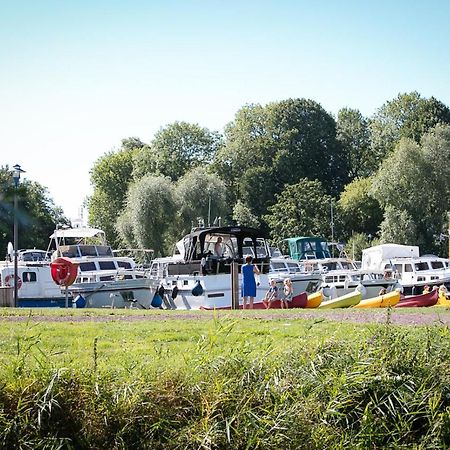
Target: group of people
<point x="250" y="272"/>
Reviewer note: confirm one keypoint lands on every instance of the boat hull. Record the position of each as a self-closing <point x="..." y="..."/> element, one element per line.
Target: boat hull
<point x="423" y="300"/>
<point x="382" y="301"/>
<point x="344" y="301"/>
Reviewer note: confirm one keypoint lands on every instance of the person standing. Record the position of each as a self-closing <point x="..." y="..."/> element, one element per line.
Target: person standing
<point x="248" y="282"/>
<point x="288" y="293"/>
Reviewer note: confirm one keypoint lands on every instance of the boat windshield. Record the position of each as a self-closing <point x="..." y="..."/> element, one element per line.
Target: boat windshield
<point x="421" y="266"/>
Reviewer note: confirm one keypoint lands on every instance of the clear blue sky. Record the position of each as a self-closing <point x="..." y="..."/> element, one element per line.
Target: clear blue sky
<point x="76" y="76"/>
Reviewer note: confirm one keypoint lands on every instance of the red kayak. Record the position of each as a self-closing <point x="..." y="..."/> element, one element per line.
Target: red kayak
<point x="411" y="301"/>
<point x="298" y="301"/>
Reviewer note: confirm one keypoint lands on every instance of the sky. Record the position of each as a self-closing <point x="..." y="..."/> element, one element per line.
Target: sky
<point x="78" y="76"/>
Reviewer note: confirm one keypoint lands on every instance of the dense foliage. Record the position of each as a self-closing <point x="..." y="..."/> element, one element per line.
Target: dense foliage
<point x="371" y="169"/>
<point x="37" y="216"/>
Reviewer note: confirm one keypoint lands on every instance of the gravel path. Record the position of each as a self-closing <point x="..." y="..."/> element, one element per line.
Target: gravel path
<point x="405" y="317"/>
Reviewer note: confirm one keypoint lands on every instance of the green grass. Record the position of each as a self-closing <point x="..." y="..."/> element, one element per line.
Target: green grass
<point x="231" y="380"/>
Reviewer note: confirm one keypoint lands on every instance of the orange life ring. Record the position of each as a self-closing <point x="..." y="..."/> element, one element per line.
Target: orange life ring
<point x="9" y="281"/>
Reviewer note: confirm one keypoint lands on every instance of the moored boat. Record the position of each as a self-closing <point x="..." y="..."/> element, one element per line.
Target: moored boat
<point x="382" y="301"/>
<point x="345" y="301"/>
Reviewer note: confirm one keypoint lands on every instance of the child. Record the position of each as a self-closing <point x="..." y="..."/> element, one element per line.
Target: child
<point x="288" y="293"/>
<point x="271" y="294"/>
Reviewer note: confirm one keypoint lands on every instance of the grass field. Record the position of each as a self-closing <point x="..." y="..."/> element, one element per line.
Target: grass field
<point x="241" y="379"/>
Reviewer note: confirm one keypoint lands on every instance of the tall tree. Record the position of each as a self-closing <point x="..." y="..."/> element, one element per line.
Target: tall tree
<point x="110" y="178"/>
<point x="37" y="214"/>
<point x="176" y="149"/>
<point x="407" y="116"/>
<point x="360" y="212"/>
<point x="352" y="131"/>
<point x="276" y="145"/>
<point x="300" y="211"/>
<point x="199" y="195"/>
<point x="148" y="217"/>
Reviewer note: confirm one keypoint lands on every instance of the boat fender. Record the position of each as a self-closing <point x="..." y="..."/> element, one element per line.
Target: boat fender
<point x="79" y="302"/>
<point x="157" y="301"/>
<point x="9" y="281"/>
<point x="174" y="292"/>
<point x="362" y="289"/>
<point x="197" y="290"/>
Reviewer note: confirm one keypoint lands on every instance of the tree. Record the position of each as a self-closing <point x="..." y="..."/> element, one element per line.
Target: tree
<point x="360" y="212"/>
<point x="176" y="149"/>
<point x="352" y="131"/>
<point x="270" y="147"/>
<point x="37" y="215"/>
<point x="244" y="217"/>
<point x="199" y="195"/>
<point x="398" y="227"/>
<point x="110" y="178"/>
<point x="407" y="116"/>
<point x="409" y="183"/>
<point x="148" y="217"/>
<point x="300" y="210"/>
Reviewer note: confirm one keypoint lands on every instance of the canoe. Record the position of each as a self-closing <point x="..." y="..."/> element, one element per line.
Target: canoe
<point x="298" y="301"/>
<point x="314" y="300"/>
<point x="345" y="301"/>
<point x="382" y="301"/>
<point x="443" y="300"/>
<point x="422" y="300"/>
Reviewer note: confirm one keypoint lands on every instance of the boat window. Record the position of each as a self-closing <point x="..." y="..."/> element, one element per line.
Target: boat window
<point x="356" y="277"/>
<point x="107" y="265"/>
<point x="87" y="266"/>
<point x="124" y="264"/>
<point x="88" y="250"/>
<point x="341" y="278"/>
<point x="347" y="265"/>
<point x="330" y="266"/>
<point x="293" y="267"/>
<point x="28" y="277"/>
<point x="277" y="266"/>
<point x="437" y="265"/>
<point x="398" y="268"/>
<point x="107" y="278"/>
<point x="104" y="250"/>
<point x="329" y="279"/>
<point x="69" y="251"/>
<point x="421" y="266"/>
<point x="408" y="268"/>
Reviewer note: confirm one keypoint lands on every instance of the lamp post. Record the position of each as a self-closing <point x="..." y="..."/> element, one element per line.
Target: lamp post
<point x="16" y="177"/>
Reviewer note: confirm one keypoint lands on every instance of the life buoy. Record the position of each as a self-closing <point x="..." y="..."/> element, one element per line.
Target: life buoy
<point x="9" y="281"/>
<point x="64" y="271"/>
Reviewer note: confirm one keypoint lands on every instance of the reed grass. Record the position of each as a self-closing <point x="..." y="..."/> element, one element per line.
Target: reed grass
<point x="223" y="382"/>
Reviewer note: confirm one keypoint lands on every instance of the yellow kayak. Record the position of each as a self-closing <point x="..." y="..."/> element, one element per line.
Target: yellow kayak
<point x="345" y="301"/>
<point x="314" y="300"/>
<point x="442" y="300"/>
<point x="382" y="301"/>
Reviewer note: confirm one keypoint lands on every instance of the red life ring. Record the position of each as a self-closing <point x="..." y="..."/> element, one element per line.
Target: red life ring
<point x="9" y="281"/>
<point x="64" y="271"/>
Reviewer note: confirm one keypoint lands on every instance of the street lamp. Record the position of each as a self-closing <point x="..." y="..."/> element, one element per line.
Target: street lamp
<point x="16" y="177"/>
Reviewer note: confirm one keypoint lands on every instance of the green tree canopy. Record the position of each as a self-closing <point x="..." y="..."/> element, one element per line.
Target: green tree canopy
<point x="111" y="176"/>
<point x="302" y="209"/>
<point x="407" y="116"/>
<point x="148" y="217"/>
<point x="278" y="144"/>
<point x="176" y="149"/>
<point x="199" y="195"/>
<point x="352" y="132"/>
<point x="360" y="212"/>
<point x="37" y="215"/>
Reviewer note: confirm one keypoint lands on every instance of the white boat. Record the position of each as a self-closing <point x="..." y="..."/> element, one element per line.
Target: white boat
<point x="196" y="277"/>
<point x="403" y="263"/>
<point x="35" y="286"/>
<point x="104" y="279"/>
<point x="340" y="275"/>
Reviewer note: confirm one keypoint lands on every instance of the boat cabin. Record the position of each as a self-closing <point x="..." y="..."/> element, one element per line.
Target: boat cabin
<point x="308" y="248"/>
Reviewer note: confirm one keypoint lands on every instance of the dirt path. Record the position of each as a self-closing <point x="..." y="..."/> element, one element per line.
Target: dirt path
<point x="416" y="316"/>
